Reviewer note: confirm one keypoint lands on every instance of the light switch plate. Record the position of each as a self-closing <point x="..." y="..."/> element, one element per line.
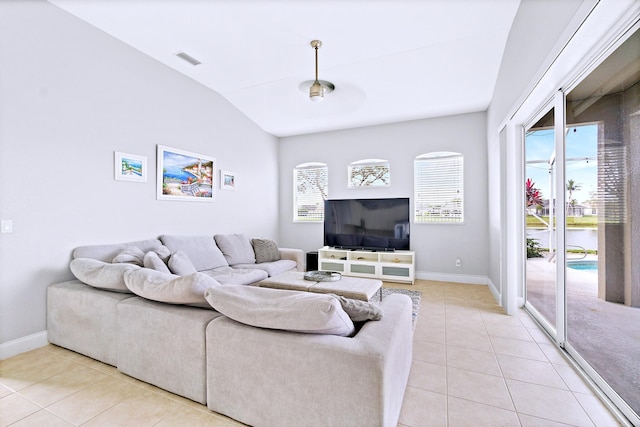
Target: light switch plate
<point x="6" y="226"/>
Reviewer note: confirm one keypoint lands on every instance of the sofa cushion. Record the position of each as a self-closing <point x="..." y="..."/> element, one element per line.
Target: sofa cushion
<point x="180" y="264"/>
<point x="83" y="318"/>
<point x="201" y="250"/>
<point x="266" y="250"/>
<point x="100" y="274"/>
<point x="236" y="276"/>
<point x="278" y="309"/>
<point x="130" y="255"/>
<point x="272" y="268"/>
<point x="106" y="253"/>
<point x="152" y="260"/>
<point x="163" y="344"/>
<point x="169" y="288"/>
<point x="358" y="310"/>
<point x="236" y="248"/>
<point x="163" y="252"/>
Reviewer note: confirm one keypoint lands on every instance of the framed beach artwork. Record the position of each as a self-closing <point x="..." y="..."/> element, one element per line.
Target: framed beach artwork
<point x="227" y="180"/>
<point x="185" y="176"/>
<point x="129" y="167"/>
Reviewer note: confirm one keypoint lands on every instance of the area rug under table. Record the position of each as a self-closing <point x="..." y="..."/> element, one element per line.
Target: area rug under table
<point x="414" y="295"/>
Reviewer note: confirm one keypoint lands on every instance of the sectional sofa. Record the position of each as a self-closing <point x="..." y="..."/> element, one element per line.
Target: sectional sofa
<point x="264" y="357"/>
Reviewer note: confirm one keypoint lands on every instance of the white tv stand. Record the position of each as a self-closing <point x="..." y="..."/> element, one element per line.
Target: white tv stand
<point x="397" y="266"/>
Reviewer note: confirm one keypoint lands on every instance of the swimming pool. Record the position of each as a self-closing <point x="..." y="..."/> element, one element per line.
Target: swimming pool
<point x="584" y="265"/>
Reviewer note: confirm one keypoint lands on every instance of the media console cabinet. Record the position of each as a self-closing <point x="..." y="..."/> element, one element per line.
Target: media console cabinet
<point x="396" y="266"/>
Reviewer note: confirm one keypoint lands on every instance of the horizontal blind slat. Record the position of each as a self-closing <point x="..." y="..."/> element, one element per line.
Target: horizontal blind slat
<point x="310" y="188"/>
<point x="438" y="188"/>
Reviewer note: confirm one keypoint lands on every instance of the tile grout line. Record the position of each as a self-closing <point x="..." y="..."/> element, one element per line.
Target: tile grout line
<point x="504" y="379"/>
<point x="553" y="366"/>
<point x="446" y="355"/>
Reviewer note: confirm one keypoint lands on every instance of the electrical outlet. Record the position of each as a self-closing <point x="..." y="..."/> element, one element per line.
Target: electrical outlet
<point x="458" y="262"/>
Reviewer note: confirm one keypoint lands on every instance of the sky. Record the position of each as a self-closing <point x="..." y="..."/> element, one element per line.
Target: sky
<point x="581" y="143"/>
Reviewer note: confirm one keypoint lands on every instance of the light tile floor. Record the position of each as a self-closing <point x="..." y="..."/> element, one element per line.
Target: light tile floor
<point x="472" y="366"/>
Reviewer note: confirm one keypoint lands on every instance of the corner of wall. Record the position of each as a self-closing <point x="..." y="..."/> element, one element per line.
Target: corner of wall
<point x="494" y="291"/>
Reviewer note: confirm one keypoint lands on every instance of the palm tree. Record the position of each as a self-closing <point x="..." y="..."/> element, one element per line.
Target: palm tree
<point x="571" y="187"/>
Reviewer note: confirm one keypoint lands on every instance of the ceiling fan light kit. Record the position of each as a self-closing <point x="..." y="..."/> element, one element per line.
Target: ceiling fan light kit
<point x="316" y="92"/>
<point x="319" y="88"/>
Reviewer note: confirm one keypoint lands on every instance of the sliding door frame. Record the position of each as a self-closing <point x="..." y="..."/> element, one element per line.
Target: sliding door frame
<point x="560" y="126"/>
<point x="549" y="328"/>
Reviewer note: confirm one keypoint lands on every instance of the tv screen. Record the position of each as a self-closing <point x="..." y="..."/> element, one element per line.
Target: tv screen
<point x="371" y="224"/>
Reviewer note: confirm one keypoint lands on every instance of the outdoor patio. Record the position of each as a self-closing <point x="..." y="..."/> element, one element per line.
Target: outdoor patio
<point x="606" y="335"/>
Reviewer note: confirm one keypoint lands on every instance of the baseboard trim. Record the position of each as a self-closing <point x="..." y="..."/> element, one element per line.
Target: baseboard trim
<point x="494" y="291"/>
<point x="455" y="278"/>
<point x="20" y="345"/>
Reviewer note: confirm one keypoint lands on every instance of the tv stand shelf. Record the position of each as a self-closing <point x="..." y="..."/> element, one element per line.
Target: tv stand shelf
<point x="397" y="266"/>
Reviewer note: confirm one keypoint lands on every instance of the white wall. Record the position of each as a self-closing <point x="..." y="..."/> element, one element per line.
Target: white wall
<point x="437" y="245"/>
<point x="70" y="96"/>
<point x="540" y="30"/>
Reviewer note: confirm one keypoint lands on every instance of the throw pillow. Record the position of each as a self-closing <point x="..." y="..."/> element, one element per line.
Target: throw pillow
<point x="266" y="250"/>
<point x="163" y="252"/>
<point x="180" y="264"/>
<point x="131" y="255"/>
<point x="201" y="250"/>
<point x="304" y="312"/>
<point x="236" y="248"/>
<point x="100" y="274"/>
<point x="169" y="288"/>
<point x="152" y="260"/>
<point x="360" y="311"/>
<point x="108" y="251"/>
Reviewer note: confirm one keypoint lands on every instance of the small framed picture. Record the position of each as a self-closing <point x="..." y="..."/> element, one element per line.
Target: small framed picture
<point x="227" y="180"/>
<point x="130" y="167"/>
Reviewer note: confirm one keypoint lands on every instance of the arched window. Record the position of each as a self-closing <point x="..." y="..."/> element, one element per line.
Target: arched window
<point x="369" y="173"/>
<point x="310" y="190"/>
<point x="438" y="187"/>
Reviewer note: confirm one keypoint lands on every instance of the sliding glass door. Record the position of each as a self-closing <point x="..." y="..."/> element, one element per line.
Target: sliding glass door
<point x="540" y="173"/>
<point x="603" y="201"/>
<point x="583" y="223"/>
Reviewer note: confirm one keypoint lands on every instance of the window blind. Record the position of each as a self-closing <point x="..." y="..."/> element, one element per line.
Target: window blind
<point x="310" y="190"/>
<point x="438" y="187"/>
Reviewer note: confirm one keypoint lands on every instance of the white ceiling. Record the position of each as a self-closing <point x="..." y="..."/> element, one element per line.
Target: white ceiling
<point x="390" y="60"/>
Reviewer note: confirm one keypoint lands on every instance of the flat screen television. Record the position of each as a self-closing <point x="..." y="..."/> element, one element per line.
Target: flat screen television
<point x="369" y="224"/>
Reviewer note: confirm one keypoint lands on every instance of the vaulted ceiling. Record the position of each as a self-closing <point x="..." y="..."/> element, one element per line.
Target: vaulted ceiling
<point x="390" y="60"/>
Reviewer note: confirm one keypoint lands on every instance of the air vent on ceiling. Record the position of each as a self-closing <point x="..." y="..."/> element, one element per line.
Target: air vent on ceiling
<point x="190" y="59"/>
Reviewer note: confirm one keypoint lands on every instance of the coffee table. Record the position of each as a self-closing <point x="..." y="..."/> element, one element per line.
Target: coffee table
<point x="349" y="287"/>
